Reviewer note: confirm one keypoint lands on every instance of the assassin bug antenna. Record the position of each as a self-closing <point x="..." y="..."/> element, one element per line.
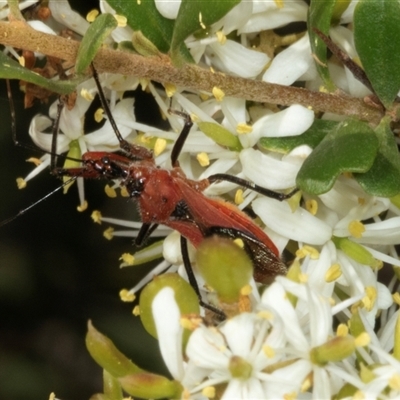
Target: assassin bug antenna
<point x="53" y="152"/>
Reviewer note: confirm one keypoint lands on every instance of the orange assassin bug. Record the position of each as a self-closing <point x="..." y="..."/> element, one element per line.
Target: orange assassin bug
<point x="168" y="197"/>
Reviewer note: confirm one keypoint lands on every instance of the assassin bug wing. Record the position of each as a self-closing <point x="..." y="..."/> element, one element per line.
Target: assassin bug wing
<point x="199" y="217"/>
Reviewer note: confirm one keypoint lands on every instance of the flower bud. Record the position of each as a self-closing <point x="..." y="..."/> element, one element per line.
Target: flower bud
<point x="334" y="350"/>
<point x="225" y="266"/>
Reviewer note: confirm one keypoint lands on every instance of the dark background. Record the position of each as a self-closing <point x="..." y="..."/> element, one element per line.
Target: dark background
<point x="57" y="272"/>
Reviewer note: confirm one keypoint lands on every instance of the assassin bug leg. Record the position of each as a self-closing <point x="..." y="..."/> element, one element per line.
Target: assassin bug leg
<point x="144" y="233"/>
<point x="178" y="145"/>
<point x="252" y="186"/>
<point x="193" y="281"/>
<point x="136" y="152"/>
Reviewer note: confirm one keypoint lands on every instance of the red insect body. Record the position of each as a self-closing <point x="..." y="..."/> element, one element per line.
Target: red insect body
<point x="169" y="198"/>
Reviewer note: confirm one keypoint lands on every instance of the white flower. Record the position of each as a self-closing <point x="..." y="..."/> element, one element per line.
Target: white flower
<point x="292" y="64"/>
<point x="62" y="13"/>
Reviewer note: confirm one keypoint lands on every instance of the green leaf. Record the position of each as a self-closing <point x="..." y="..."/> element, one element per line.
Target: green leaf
<point x="350" y="147"/>
<point x="220" y="135"/>
<point x="104" y="352"/>
<point x="320" y="16"/>
<point x="94" y="37"/>
<point x="383" y="178"/>
<point x="10" y="69"/>
<point x="195" y="15"/>
<point x="143" y="16"/>
<point x="376" y="33"/>
<point x="311" y="137"/>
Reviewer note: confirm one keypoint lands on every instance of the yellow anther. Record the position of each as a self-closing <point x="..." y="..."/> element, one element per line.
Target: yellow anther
<point x="126" y="296"/>
<point x="86" y="94"/>
<point x="246" y="290"/>
<point x="290" y="396"/>
<point x="34" y="160"/>
<point x="92" y="15"/>
<point x="110" y="191"/>
<point x="312" y="206"/>
<point x="307" y="383"/>
<point x="109" y="233"/>
<point x="333" y="273"/>
<point x="136" y="311"/>
<point x="394" y="382"/>
<point x="83" y="206"/>
<point x="21" y="61"/>
<point x="159" y="146"/>
<point x="370" y="298"/>
<point x="342" y="330"/>
<point x="239" y="199"/>
<point x="358" y="395"/>
<point x="96" y="217"/>
<point x="124" y="192"/>
<point x="122" y="20"/>
<point x="268" y="351"/>
<point x="209" y="392"/>
<point x="303" y="278"/>
<point x="21" y="183"/>
<point x="221" y="37"/>
<point x="218" y="93"/>
<point x="170" y="89"/>
<point x="190" y="322"/>
<point x="307" y="251"/>
<point x="204" y="96"/>
<point x="356" y="228"/>
<point x="242" y="128"/>
<point x="362" y="340"/>
<point x="194" y="117"/>
<point x="99" y="115"/>
<point x="279" y="3"/>
<point x="52" y="396"/>
<point x="322" y="88"/>
<point x="127" y="259"/>
<point x="268" y="315"/>
<point x="203" y="159"/>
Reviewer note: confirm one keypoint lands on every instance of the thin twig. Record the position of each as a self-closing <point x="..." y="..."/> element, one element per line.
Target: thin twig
<point x="160" y="69"/>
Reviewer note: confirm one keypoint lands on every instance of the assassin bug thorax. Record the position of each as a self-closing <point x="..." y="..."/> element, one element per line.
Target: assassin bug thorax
<point x="168" y="197"/>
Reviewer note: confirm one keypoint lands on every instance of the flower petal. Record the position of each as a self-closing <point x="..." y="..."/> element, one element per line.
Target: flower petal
<point x="167" y="316"/>
<point x="289" y="65"/>
<point x="268" y="171"/>
<point x="236" y="59"/>
<point x="299" y="225"/>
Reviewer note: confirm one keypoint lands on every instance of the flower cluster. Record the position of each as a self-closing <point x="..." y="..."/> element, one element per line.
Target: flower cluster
<point x="330" y="328"/>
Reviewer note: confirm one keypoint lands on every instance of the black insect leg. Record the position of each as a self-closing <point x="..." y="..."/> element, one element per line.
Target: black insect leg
<point x="144" y="233"/>
<point x="252" y="186"/>
<point x="178" y="145"/>
<point x="131" y="149"/>
<point x="193" y="281"/>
